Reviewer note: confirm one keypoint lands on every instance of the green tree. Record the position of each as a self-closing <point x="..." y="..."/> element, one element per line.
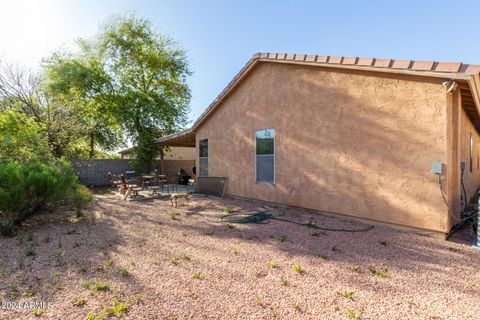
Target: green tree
<point x="148" y="74"/>
<point x="22" y="139"/>
<point x="80" y="80"/>
<point x="128" y="78"/>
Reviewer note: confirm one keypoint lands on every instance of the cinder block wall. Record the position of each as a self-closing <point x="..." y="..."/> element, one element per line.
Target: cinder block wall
<point x="94" y="172"/>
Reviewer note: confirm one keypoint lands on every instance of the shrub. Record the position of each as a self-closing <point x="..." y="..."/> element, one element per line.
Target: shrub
<point x="26" y="189"/>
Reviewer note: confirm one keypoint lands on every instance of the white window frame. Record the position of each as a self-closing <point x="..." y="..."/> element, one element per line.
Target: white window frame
<point x="274" y="157"/>
<point x="200" y="158"/>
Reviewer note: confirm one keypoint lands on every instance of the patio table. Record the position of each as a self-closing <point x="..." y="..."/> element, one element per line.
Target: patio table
<point x="146" y="179"/>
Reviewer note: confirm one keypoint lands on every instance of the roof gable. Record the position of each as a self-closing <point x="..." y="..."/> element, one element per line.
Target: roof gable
<point x="446" y="70"/>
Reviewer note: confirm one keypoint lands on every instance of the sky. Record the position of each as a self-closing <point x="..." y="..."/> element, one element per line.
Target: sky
<point x="219" y="37"/>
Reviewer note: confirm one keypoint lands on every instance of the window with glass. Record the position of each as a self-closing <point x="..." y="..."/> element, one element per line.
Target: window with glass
<point x="265" y="156"/>
<point x="203" y="157"/>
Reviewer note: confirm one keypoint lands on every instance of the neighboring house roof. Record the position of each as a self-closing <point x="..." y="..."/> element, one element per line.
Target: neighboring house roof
<point x="445" y="70"/>
<point x="124" y="151"/>
<point x="180" y="139"/>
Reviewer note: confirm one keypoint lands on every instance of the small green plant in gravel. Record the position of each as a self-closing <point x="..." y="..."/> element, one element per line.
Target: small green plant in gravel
<point x="118" y="309"/>
<point x="80" y="302"/>
<point x="30" y="293"/>
<point x="351" y="314"/>
<point x="100" y="269"/>
<point x="173" y="261"/>
<point x="272" y="264"/>
<point x="20" y="262"/>
<point x="108" y="262"/>
<point x="173" y="215"/>
<point x="258" y="301"/>
<point x="186" y="256"/>
<point x="55" y="277"/>
<point x="298" y="269"/>
<point x="229" y="210"/>
<point x="356" y="269"/>
<point x="296" y="306"/>
<point x="155" y="261"/>
<point x="124" y="272"/>
<point x="13" y="291"/>
<point x="198" y="275"/>
<point x="381" y="273"/>
<point x="137" y="297"/>
<point x="284" y="281"/>
<point x="29" y="249"/>
<point x="38" y="312"/>
<point x="99" y="287"/>
<point x="282" y="238"/>
<point x="346" y="294"/>
<point x="59" y="261"/>
<point x="235" y="251"/>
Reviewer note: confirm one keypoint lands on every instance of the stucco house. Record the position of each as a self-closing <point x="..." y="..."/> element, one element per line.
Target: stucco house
<point x="352" y="136"/>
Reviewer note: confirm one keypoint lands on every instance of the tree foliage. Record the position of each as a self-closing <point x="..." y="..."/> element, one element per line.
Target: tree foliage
<point x="131" y="76"/>
<point x="23" y="91"/>
<point x="22" y="139"/>
<point x="127" y="83"/>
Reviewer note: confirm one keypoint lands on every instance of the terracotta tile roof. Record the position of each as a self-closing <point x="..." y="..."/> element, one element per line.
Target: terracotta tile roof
<point x="447" y="70"/>
<point x="410" y="65"/>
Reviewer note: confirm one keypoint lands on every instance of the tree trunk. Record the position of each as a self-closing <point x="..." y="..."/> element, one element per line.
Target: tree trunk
<point x="161" y="160"/>
<point x="92" y="146"/>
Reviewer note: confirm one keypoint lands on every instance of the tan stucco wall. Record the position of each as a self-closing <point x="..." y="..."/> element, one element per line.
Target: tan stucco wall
<point x="470" y="178"/>
<point x="180" y="153"/>
<point x="351" y="143"/>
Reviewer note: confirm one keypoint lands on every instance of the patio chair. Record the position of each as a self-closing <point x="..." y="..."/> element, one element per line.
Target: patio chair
<point x="114" y="183"/>
<point x="191" y="186"/>
<point x="155" y="184"/>
<point x="176" y="196"/>
<point x="129" y="189"/>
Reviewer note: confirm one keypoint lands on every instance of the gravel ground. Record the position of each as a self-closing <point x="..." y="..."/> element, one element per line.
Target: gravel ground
<point x="147" y="260"/>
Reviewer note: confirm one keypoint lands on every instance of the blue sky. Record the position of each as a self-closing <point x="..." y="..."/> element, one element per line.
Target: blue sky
<point x="220" y="36"/>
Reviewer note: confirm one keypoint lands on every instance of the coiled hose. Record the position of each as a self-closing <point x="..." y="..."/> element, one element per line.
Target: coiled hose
<point x="264" y="217"/>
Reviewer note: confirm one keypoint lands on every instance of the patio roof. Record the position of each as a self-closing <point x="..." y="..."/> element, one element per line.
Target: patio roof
<point x="185" y="138"/>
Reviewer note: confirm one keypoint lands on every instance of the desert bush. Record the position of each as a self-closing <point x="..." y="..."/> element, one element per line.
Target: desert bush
<point x="27" y="189"/>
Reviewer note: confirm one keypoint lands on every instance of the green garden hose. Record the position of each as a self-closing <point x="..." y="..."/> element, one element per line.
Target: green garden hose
<point x="264" y="217"/>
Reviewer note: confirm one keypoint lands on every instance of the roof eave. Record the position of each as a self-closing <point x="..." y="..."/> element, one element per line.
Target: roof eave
<point x="264" y="57"/>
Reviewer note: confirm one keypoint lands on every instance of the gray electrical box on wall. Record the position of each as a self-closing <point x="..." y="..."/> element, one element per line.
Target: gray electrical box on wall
<point x="437" y="167"/>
